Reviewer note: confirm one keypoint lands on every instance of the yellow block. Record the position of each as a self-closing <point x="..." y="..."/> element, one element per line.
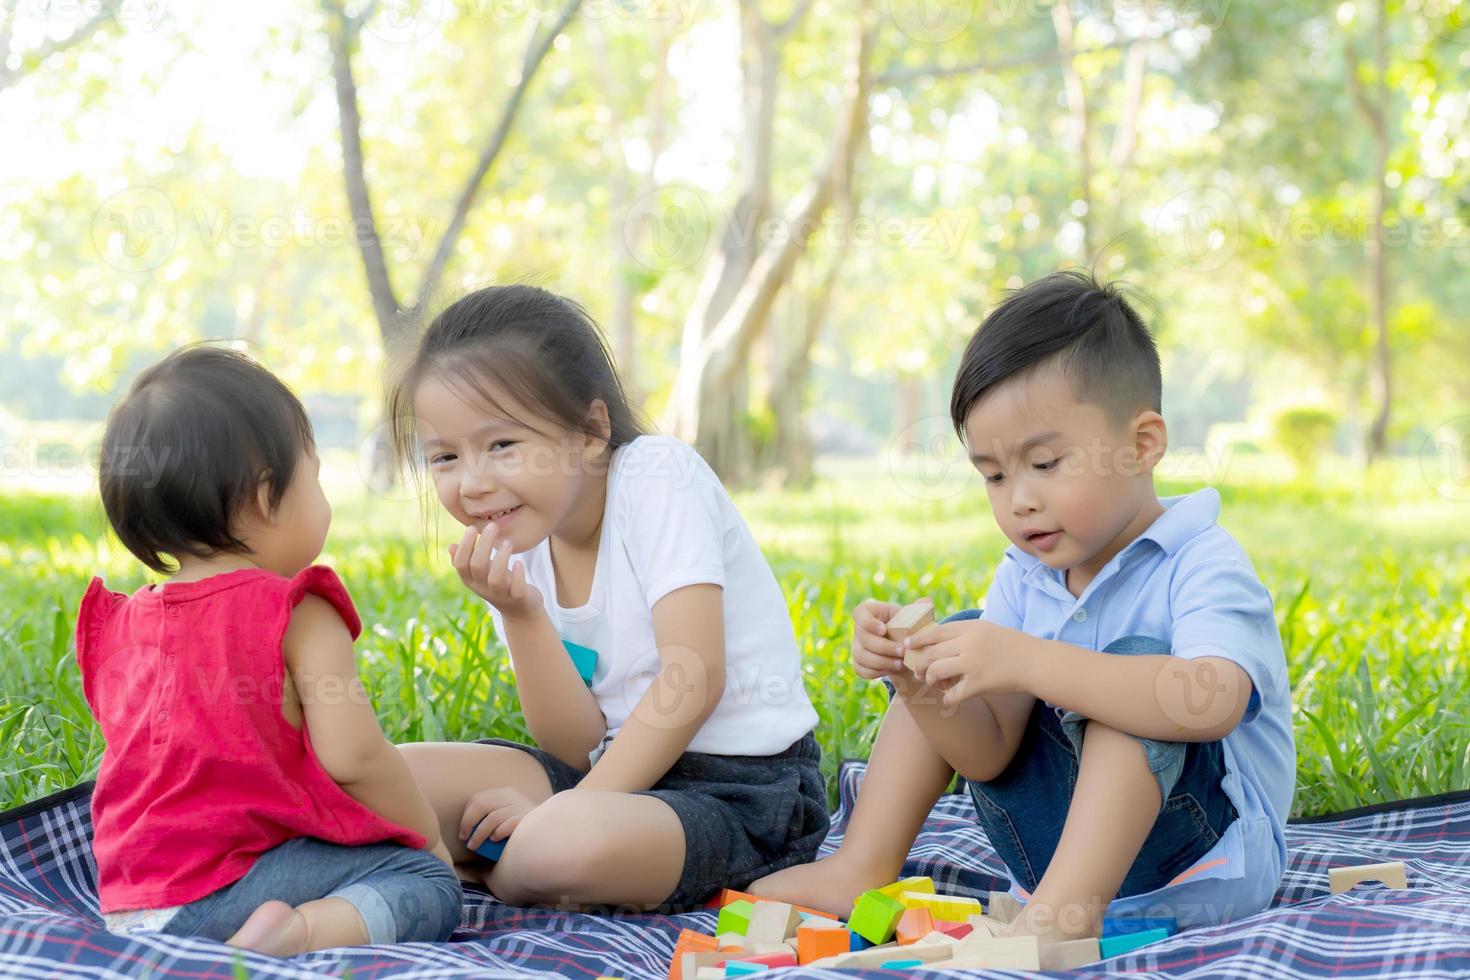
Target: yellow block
<point x="896" y="889"/>
<point x="949" y="908"/>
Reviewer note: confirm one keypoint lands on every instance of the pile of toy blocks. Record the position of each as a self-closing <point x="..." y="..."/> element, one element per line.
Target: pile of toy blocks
<point x="904" y="925"/>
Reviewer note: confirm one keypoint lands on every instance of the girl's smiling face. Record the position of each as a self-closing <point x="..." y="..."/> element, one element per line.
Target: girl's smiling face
<point x="529" y="476"/>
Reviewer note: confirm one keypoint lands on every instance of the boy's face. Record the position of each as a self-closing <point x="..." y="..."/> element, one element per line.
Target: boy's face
<point x="1065" y="485"/>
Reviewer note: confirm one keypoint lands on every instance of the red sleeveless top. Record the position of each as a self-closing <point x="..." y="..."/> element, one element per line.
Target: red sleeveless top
<point x="202" y="773"/>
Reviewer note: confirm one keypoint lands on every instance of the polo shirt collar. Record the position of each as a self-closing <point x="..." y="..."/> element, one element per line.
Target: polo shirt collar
<point x="1183" y="517"/>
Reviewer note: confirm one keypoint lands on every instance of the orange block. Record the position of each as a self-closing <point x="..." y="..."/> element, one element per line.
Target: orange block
<point x="731" y="895"/>
<point x="819" y="942"/>
<point x="689" y="942"/>
<point x="914" y="925"/>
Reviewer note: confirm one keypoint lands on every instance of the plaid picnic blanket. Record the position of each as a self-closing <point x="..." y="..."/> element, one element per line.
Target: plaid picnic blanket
<point x="50" y="927"/>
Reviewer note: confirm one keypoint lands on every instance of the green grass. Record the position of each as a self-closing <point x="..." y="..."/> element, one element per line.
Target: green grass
<point x="1369" y="577"/>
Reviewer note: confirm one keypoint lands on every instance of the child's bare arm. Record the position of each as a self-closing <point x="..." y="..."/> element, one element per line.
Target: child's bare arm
<point x="689" y="627"/>
<point x="344" y="731"/>
<point x="561" y="713"/>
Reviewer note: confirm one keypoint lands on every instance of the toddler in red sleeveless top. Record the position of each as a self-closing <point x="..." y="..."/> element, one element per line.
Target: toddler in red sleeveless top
<point x="246" y="793"/>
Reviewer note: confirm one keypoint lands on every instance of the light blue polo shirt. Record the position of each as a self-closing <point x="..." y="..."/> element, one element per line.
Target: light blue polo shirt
<point x="1186" y="581"/>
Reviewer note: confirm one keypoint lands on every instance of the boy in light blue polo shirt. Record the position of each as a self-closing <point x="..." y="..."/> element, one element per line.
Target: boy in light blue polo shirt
<point x="1120" y="710"/>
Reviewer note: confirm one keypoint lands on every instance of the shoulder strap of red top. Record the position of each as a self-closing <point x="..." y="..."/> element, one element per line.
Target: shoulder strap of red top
<point x="321" y="580"/>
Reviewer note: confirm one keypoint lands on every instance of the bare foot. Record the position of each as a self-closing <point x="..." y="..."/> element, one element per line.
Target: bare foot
<point x="274" y="928"/>
<point x="832" y="884"/>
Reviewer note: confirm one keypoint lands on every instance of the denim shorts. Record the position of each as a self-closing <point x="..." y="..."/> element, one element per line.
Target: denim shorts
<point x="404" y="895"/>
<point x="744" y="816"/>
<point x="1023" y="809"/>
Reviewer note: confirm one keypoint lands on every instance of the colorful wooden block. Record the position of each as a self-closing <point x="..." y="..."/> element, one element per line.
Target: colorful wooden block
<point x="783" y="957"/>
<point x="1003" y="907"/>
<point x="744" y="968"/>
<point x="772" y="922"/>
<point x="735" y="917"/>
<point x="908" y="885"/>
<point x="882" y="955"/>
<point x="729" y="940"/>
<point x="1069" y="954"/>
<point x="490" y="849"/>
<point x="902" y="964"/>
<point x="690" y="965"/>
<point x="857" y="943"/>
<point x="1128" y="942"/>
<point x="816" y="942"/>
<point x="954" y="930"/>
<point x="875" y="915"/>
<point x="1122" y="925"/>
<point x="988" y="952"/>
<point x="950" y="908"/>
<point x="1393" y="874"/>
<point x="689" y="941"/>
<point x="584" y="659"/>
<point x="914" y="925"/>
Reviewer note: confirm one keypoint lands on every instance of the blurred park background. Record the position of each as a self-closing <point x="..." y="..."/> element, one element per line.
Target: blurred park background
<point x="788" y="216"/>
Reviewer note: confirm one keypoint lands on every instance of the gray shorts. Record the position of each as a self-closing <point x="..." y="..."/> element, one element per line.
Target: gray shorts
<point x="744" y="816"/>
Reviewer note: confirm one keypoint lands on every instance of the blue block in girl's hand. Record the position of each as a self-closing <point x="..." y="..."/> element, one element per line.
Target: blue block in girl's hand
<point x="584" y="659"/>
<point x="491" y="849"/>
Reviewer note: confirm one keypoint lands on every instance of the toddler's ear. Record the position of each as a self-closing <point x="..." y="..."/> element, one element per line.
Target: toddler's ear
<point x="1150" y="439"/>
<point x="601" y="423"/>
<point x="263" y="509"/>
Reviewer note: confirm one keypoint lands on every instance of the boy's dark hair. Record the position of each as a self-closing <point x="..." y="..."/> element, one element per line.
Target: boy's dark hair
<point x="1070" y="321"/>
<point x="187" y="448"/>
<point x="543" y="349"/>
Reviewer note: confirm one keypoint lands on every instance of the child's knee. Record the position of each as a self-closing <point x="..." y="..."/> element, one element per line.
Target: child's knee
<point x="1164" y="761"/>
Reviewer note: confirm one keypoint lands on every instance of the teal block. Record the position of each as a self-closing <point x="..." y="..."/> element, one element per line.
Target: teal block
<point x="856" y="942"/>
<point x="584" y="659"/>
<point x="1121" y="925"/>
<point x="735" y="968"/>
<point x="902" y="964"/>
<point x="1129" y="941"/>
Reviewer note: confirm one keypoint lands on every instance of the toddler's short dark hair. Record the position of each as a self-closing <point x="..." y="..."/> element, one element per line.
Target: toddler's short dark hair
<point x="188" y="447"/>
<point x="1070" y="321"/>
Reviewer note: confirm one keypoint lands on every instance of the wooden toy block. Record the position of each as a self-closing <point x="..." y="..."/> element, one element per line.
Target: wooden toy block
<point x="489" y="849"/>
<point x="735" y="917"/>
<point x="881" y="955"/>
<point x="950" y="908"/>
<point x="911" y="619"/>
<point x="744" y="968"/>
<point x="908" y="885"/>
<point x="875" y="915"/>
<point x="584" y="659"/>
<point x="729" y="940"/>
<point x="902" y="964"/>
<point x="1128" y="942"/>
<point x="728" y="895"/>
<point x="1011" y="953"/>
<point x="857" y="942"/>
<point x="1392" y="874"/>
<point x="817" y="942"/>
<point x="914" y="925"/>
<point x="1069" y="955"/>
<point x="772" y="922"/>
<point x="1123" y="925"/>
<point x="711" y="973"/>
<point x="982" y="925"/>
<point x="955" y="930"/>
<point x="781" y="957"/>
<point x="766" y="949"/>
<point x="692" y="964"/>
<point x="1003" y="907"/>
<point x="689" y="941"/>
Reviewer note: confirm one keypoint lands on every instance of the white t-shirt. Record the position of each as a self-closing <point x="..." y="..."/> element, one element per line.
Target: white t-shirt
<point x="669" y="524"/>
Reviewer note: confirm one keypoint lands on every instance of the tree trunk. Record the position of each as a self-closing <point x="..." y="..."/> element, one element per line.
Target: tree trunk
<point x="1061" y="16"/>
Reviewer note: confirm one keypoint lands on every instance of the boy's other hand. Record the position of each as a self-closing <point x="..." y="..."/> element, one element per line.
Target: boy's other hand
<point x="873" y="654"/>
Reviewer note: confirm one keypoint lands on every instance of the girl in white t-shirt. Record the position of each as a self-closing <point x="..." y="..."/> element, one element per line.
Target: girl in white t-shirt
<point x="651" y="646"/>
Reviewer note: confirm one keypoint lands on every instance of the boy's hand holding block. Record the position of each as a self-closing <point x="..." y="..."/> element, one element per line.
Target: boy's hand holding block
<point x="909" y="620"/>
